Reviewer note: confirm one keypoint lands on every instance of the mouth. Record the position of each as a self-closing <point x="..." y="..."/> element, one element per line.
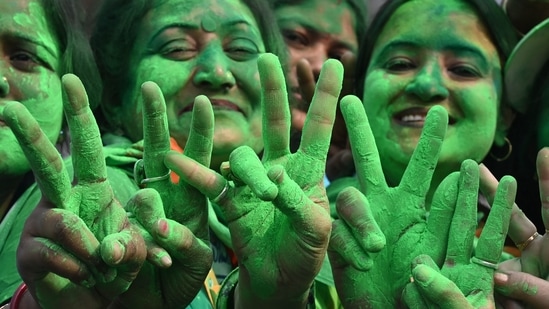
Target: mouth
<point x="415" y="117"/>
<point x="217" y="105"/>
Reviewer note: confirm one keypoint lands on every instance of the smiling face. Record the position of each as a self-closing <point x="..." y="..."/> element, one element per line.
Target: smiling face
<point x="194" y="47"/>
<point x="316" y="30"/>
<point x="452" y="63"/>
<point x="29" y="61"/>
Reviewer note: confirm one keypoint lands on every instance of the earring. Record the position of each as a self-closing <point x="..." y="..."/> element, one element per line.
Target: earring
<point x="4" y="87"/>
<point x="507" y="154"/>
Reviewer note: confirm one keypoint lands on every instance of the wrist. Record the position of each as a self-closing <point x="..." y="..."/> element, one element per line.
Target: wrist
<point x="248" y="296"/>
<point x="22" y="299"/>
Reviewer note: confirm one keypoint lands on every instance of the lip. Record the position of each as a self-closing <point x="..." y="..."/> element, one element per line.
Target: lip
<point x="414" y="117"/>
<point x="217" y="105"/>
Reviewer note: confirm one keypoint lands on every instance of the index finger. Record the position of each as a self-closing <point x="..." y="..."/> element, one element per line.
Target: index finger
<point x="275" y="106"/>
<point x="86" y="147"/>
<point x="317" y="130"/>
<point x="418" y="174"/>
<point x="43" y="158"/>
<point x="363" y="146"/>
<point x="156" y="136"/>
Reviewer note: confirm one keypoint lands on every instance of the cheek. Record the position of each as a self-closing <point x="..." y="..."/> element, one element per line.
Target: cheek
<point x="169" y="75"/>
<point x="482" y="105"/>
<point x="249" y="82"/>
<point x="378" y="91"/>
<point x="45" y="103"/>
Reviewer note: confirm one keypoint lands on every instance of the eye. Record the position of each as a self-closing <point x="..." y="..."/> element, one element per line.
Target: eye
<point x="295" y="38"/>
<point x="337" y="54"/>
<point x="25" y="61"/>
<point x="465" y="71"/>
<point x="242" y="49"/>
<point x="178" y="50"/>
<point x="399" y="65"/>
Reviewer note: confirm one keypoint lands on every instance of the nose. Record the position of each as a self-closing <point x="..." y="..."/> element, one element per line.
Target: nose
<point x="316" y="60"/>
<point x="213" y="70"/>
<point x="428" y="85"/>
<point x="4" y="87"/>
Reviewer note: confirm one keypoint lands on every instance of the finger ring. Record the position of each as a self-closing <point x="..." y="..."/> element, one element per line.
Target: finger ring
<point x="222" y="194"/>
<point x="484" y="263"/>
<point x="139" y="175"/>
<point x="527" y="242"/>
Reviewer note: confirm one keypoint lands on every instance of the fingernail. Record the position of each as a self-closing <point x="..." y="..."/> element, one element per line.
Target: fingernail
<point x="166" y="260"/>
<point x="88" y="283"/>
<point x="422" y="275"/>
<point x="119" y="251"/>
<point x="163" y="228"/>
<point x="365" y="262"/>
<point x="500" y="278"/>
<point x="109" y="275"/>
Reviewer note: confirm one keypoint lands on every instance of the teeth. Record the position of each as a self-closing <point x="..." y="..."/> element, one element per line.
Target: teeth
<point x="413" y="118"/>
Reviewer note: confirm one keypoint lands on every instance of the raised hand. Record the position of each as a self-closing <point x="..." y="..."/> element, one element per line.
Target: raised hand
<point x="78" y="247"/>
<point x="276" y="208"/>
<point x="466" y="279"/>
<point x="340" y="161"/>
<point x="177" y="234"/>
<point x="399" y="212"/>
<point x="523" y="281"/>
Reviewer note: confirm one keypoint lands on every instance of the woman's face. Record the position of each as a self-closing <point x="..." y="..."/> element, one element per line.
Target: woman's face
<point x="433" y="53"/>
<point x="29" y="62"/>
<point x="316" y="30"/>
<point x="193" y="47"/>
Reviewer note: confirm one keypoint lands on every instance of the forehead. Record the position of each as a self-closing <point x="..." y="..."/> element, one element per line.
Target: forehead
<point x="437" y="24"/>
<point x="194" y="11"/>
<point x="27" y="19"/>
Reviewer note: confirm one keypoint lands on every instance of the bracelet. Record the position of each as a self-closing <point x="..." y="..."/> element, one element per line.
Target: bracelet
<point x="225" y="300"/>
<point x="18" y="295"/>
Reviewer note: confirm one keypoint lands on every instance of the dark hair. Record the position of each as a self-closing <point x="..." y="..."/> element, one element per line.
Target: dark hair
<point x="66" y="18"/>
<point x="494" y="18"/>
<point x="358" y="8"/>
<point x="115" y="33"/>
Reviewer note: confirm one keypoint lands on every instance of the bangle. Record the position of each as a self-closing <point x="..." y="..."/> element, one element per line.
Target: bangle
<point x="18" y="295"/>
<point x="225" y="300"/>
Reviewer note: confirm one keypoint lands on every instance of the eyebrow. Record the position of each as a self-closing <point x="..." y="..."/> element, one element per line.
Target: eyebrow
<point x="22" y="36"/>
<point x="194" y="27"/>
<point x="311" y="28"/>
<point x="460" y="47"/>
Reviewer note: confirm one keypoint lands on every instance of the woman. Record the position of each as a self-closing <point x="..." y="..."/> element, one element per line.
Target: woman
<point x="44" y="42"/>
<point x="404" y="70"/>
<point x="314" y="31"/>
<point x="187" y="48"/>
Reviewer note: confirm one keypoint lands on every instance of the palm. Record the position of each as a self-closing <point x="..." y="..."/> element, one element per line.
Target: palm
<point x="400" y="211"/>
<point x="181" y="206"/>
<point x="94" y="241"/>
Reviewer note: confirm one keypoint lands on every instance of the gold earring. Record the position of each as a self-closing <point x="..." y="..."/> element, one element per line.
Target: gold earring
<point x="507" y="154"/>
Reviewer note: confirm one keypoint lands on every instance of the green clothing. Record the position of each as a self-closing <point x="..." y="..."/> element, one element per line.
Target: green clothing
<point x="12" y="226"/>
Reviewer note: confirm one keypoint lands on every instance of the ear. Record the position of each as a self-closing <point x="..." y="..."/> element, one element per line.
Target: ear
<point x="505" y="120"/>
